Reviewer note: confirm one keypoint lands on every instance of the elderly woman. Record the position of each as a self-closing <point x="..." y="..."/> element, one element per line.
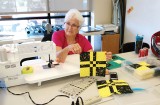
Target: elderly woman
<point x="69" y="41"/>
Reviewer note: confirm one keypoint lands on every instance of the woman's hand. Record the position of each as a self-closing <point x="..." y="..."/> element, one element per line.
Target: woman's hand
<point x="108" y="56"/>
<point x="75" y="48"/>
<point x="62" y="53"/>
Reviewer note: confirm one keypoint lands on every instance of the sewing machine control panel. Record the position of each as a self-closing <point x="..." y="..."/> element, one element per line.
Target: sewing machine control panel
<point x="34" y="47"/>
<point x="37" y="49"/>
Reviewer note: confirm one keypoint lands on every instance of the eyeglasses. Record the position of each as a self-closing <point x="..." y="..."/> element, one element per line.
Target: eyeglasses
<point x="72" y="25"/>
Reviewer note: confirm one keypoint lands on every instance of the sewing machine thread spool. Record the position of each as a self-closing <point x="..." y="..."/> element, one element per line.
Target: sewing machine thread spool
<point x="3" y="54"/>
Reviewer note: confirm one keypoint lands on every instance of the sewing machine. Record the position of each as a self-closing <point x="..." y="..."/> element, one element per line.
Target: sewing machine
<point x="11" y="56"/>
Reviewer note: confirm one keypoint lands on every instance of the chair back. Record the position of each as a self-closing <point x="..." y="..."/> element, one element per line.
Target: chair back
<point x="130" y="46"/>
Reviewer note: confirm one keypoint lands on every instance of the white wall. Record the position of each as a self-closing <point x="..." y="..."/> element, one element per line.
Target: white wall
<point x="144" y="19"/>
<point x="102" y="12"/>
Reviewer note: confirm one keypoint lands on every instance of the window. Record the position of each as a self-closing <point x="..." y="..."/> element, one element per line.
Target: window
<point x="21" y="6"/>
<point x="16" y="20"/>
<point x="42" y="6"/>
<point x="65" y="5"/>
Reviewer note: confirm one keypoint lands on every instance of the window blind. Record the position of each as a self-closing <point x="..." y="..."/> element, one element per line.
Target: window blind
<point x="42" y="6"/>
<point x="7" y="6"/>
<point x="65" y="5"/>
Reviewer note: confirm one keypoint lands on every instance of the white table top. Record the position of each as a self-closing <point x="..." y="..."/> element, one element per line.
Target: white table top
<point x="50" y="89"/>
<point x="70" y="67"/>
<point x="92" y="33"/>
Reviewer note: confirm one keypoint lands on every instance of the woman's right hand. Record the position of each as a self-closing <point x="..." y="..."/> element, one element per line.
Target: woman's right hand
<point x="62" y="53"/>
<point x="75" y="48"/>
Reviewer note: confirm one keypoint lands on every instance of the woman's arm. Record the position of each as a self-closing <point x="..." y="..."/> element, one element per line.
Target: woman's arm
<point x="62" y="53"/>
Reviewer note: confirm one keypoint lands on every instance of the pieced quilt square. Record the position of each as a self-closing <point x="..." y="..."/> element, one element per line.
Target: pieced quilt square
<point x="144" y="70"/>
<point x="107" y="88"/>
<point x="92" y="64"/>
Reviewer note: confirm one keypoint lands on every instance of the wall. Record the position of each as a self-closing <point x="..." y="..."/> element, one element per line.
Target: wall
<point x="102" y="11"/>
<point x="143" y="19"/>
<point x="101" y="14"/>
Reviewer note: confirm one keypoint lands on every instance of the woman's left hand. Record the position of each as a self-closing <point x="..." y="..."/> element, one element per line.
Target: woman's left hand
<point x="108" y="56"/>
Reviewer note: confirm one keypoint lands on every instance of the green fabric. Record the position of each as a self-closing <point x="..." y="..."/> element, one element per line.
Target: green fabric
<point x="112" y="64"/>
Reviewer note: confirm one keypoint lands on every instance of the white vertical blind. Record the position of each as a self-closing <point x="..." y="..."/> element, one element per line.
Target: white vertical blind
<point x="37" y="5"/>
<point x="65" y="5"/>
<point x="31" y="5"/>
<point x="7" y="6"/>
<point x="45" y="6"/>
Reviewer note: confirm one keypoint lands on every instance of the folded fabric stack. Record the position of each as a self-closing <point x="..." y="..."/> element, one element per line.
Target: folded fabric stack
<point x="144" y="70"/>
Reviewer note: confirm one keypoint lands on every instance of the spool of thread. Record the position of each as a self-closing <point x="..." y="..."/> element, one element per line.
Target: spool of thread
<point x="27" y="70"/>
<point x="3" y="54"/>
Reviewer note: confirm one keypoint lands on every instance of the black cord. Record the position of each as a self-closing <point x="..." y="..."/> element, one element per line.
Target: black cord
<point x="72" y="103"/>
<point x="77" y="102"/>
<point x="33" y="100"/>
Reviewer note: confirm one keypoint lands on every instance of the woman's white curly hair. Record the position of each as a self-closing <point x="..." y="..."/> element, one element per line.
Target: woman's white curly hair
<point x="74" y="13"/>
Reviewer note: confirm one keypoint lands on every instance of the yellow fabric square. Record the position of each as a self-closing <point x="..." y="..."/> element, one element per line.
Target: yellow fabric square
<point x="101" y="56"/>
<point x="94" y="62"/>
<point x="144" y="72"/>
<point x="91" y="65"/>
<point x="143" y="68"/>
<point x="104" y="92"/>
<point x="143" y="63"/>
<point x="84" y="72"/>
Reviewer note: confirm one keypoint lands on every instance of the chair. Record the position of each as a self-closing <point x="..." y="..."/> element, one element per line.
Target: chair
<point x="130" y="46"/>
<point x="47" y="37"/>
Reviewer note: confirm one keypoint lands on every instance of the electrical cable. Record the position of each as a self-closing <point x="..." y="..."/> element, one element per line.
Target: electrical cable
<point x="77" y="102"/>
<point x="33" y="100"/>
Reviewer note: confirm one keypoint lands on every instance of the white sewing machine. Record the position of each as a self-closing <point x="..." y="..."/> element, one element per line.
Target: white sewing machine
<point x="12" y="54"/>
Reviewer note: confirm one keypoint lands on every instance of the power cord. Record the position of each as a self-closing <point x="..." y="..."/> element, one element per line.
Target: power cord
<point x="78" y="102"/>
<point x="33" y="100"/>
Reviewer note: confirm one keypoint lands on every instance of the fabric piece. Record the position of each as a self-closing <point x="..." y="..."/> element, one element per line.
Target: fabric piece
<point x="143" y="63"/>
<point x="142" y="66"/>
<point x="92" y="64"/>
<point x="115" y="62"/>
<point x="143" y="70"/>
<point x="107" y="88"/>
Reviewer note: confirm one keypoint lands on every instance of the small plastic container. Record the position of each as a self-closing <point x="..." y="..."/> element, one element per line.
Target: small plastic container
<point x="142" y="68"/>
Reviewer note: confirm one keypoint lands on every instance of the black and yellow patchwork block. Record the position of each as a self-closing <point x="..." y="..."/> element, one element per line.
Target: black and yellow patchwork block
<point x="142" y="66"/>
<point x="143" y="70"/>
<point x="92" y="64"/>
<point x="108" y="87"/>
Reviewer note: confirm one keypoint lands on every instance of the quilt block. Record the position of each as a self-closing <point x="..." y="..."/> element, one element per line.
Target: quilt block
<point x="108" y="87"/>
<point x="92" y="64"/>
